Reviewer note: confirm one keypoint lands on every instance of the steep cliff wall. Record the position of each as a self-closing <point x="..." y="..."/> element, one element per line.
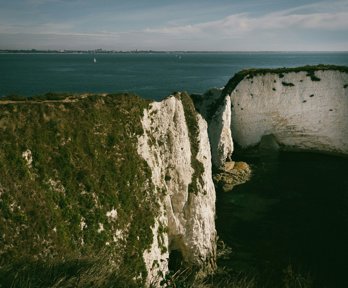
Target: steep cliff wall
<point x="304" y="111"/>
<point x="176" y="148"/>
<point x="304" y="108"/>
<point x="110" y="176"/>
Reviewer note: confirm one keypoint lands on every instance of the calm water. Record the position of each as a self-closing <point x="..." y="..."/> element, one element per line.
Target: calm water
<point x="149" y="75"/>
<point x="293" y="214"/>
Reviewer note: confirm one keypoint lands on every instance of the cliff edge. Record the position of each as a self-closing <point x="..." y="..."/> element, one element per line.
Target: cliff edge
<point x="109" y="179"/>
<point x="303" y="108"/>
<point x="123" y="184"/>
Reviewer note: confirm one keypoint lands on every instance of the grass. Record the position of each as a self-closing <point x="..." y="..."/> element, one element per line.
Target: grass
<point x="47" y="96"/>
<point x="84" y="164"/>
<point x="65" y="162"/>
<point x="70" y="273"/>
<point x="98" y="273"/>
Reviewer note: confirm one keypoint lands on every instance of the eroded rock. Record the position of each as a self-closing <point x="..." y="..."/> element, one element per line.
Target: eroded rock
<point x="233" y="174"/>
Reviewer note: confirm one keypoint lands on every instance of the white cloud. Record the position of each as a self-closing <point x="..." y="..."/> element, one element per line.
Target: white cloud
<point x="289" y="29"/>
<point x="44" y="2"/>
<point x="243" y="23"/>
<point x="318" y="7"/>
<point x="326" y="21"/>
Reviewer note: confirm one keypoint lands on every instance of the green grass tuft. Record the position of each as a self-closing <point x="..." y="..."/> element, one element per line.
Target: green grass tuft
<point x="84" y="164"/>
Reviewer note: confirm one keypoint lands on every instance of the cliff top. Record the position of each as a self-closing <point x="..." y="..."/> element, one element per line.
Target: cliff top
<point x="51" y="97"/>
<point x="69" y="167"/>
<point x="250" y="73"/>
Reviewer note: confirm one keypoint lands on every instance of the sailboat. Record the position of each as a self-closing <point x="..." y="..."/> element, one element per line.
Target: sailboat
<point x="95" y="60"/>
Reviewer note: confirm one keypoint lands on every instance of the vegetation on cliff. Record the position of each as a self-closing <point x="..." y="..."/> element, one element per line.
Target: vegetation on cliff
<point x="72" y="184"/>
<point x="193" y="130"/>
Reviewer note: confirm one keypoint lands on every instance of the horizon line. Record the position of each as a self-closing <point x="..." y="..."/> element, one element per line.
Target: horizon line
<point x="98" y="50"/>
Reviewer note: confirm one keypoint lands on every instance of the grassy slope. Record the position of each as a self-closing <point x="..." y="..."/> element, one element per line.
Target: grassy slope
<point x="84" y="164"/>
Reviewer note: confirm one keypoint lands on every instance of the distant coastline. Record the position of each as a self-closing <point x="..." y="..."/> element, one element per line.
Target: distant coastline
<point x="67" y="51"/>
<point x="102" y="51"/>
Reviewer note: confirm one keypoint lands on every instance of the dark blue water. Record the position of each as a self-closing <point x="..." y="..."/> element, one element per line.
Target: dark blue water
<point x="152" y="76"/>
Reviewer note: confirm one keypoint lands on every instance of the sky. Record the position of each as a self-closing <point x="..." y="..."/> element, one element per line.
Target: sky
<point x="172" y="25"/>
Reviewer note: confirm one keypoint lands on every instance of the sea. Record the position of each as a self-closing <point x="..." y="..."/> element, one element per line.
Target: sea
<point x="150" y="75"/>
<point x="287" y="226"/>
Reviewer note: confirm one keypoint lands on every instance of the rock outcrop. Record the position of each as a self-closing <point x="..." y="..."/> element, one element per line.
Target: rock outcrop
<point x="111" y="175"/>
<point x="231" y="175"/>
<point x="186" y="199"/>
<point x="301" y="108"/>
<point x="302" y="112"/>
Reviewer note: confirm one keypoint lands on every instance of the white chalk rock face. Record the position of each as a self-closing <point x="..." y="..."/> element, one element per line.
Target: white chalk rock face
<point x="301" y="113"/>
<point x="220" y="134"/>
<point x="186" y="221"/>
<point x="219" y="123"/>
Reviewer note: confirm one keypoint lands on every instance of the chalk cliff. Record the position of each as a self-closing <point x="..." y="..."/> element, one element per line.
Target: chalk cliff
<point x="129" y="181"/>
<point x="303" y="113"/>
<point x="303" y="108"/>
<point x="112" y="175"/>
<point x="187" y="198"/>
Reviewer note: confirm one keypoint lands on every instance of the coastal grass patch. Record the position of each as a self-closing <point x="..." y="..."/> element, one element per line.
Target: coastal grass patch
<point x="43" y="97"/>
<point x="93" y="273"/>
<point x="64" y="167"/>
<point x="80" y="272"/>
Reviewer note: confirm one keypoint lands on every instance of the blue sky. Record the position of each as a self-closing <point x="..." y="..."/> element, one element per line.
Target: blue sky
<point x="205" y="25"/>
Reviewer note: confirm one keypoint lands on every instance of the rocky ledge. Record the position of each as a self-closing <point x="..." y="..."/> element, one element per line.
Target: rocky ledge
<point x="231" y="175"/>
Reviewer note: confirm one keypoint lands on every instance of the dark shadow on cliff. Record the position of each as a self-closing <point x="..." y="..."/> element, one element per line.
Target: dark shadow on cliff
<point x="290" y="219"/>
